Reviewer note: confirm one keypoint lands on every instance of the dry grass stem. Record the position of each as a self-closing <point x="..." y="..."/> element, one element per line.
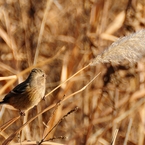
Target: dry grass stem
<point x="48" y="5"/>
<point x="114" y="137"/>
<point x="68" y="80"/>
<point x="128" y="132"/>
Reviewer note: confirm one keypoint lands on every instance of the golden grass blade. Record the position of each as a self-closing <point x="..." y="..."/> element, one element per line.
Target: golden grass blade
<point x="7" y="124"/>
<point x="42" y="29"/>
<point x="8" y="77"/>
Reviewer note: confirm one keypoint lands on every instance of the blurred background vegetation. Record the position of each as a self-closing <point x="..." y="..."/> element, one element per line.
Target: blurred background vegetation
<point x="34" y="31"/>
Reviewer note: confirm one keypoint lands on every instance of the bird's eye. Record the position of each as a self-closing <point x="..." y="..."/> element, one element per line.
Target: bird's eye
<point x="43" y="75"/>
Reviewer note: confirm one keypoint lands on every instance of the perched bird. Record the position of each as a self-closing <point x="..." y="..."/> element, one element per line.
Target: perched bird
<point x="28" y="93"/>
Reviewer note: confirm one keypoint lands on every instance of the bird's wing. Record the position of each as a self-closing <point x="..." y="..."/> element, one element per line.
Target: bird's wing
<point x="21" y="88"/>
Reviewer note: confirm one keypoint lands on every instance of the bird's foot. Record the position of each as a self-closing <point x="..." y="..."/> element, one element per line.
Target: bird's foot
<point x="22" y="113"/>
<point x="43" y="98"/>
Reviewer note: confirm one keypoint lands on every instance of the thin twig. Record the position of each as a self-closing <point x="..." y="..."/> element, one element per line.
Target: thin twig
<point x="75" y="109"/>
<point x="67" y="80"/>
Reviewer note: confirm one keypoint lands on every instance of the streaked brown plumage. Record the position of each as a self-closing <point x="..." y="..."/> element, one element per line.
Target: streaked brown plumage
<point x="28" y="93"/>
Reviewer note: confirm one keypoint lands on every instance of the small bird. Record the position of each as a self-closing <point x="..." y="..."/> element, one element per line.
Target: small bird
<point x="29" y="93"/>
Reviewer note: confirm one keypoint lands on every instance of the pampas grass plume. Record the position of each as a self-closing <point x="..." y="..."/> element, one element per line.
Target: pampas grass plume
<point x="130" y="48"/>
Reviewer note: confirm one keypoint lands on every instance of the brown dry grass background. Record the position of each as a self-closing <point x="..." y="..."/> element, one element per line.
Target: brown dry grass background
<point x="34" y="32"/>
